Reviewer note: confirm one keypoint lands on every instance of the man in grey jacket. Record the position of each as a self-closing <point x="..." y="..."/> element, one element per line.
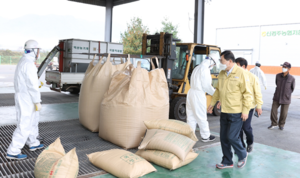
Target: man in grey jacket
<point x="285" y="85"/>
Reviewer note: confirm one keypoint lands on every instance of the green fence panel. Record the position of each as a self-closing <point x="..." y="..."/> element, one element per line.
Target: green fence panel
<point x="11" y="60"/>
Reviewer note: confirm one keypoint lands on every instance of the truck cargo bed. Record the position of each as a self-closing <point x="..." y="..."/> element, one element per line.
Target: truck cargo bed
<point x="64" y="77"/>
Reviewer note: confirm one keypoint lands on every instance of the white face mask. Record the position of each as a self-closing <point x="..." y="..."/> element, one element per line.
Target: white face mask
<point x="35" y="52"/>
<point x="284" y="70"/>
<point x="222" y="66"/>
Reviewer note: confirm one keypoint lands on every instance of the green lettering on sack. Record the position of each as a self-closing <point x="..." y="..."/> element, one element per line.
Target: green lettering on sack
<point x="131" y="158"/>
<point x="178" y="140"/>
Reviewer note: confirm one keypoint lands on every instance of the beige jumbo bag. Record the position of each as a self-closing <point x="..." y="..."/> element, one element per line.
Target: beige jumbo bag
<point x="53" y="162"/>
<point x="93" y="88"/>
<point x="172" y="142"/>
<point x="165" y="159"/>
<point x="121" y="163"/>
<point x="172" y="126"/>
<point x="133" y="97"/>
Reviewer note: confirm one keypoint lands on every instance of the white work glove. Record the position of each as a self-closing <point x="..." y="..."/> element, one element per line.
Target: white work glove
<point x="41" y="84"/>
<point x="38" y="106"/>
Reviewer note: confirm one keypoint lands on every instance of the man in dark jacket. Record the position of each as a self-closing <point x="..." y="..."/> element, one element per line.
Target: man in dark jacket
<point x="285" y="85"/>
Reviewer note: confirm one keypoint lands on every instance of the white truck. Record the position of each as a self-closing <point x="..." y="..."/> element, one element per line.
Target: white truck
<point x="73" y="64"/>
<point x="74" y="58"/>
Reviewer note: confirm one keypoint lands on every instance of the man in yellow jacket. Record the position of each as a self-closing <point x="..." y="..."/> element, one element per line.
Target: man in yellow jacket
<point x="233" y="91"/>
<point x="257" y="102"/>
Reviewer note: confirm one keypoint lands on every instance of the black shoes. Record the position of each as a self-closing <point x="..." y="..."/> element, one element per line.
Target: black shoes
<point x="249" y="148"/>
<point x="281" y="128"/>
<point x="41" y="139"/>
<point x="272" y="127"/>
<point x="209" y="139"/>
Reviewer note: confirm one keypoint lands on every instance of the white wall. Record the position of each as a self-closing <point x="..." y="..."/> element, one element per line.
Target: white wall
<point x="270" y="44"/>
<point x="240" y="40"/>
<point x="277" y="49"/>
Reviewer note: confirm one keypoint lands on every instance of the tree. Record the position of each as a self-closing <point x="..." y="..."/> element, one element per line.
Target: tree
<point x="169" y="27"/>
<point x="8" y="52"/>
<point x="132" y="38"/>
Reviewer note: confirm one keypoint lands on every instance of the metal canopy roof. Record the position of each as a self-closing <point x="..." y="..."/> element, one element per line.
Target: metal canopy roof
<point x="109" y="4"/>
<point x="103" y="2"/>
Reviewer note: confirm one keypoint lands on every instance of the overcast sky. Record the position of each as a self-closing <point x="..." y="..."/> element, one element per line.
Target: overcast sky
<point x="218" y="14"/>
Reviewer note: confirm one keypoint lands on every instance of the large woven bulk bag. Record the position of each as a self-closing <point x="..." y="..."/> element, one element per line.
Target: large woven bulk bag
<point x="93" y="88"/>
<point x="121" y="163"/>
<point x="91" y="65"/>
<point x="53" y="162"/>
<point x="172" y="126"/>
<point x="166" y="159"/>
<point x="171" y="142"/>
<point x="133" y="97"/>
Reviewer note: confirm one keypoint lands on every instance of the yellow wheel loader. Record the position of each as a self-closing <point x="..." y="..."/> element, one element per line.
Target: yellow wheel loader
<point x="178" y="63"/>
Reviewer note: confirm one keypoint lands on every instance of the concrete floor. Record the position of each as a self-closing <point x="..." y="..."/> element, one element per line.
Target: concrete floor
<point x="49" y="112"/>
<point x="8" y="99"/>
<point x="7" y="73"/>
<point x="265" y="161"/>
<point x="276" y="153"/>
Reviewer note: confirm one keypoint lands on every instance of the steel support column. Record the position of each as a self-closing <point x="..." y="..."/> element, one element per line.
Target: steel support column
<point x="199" y="21"/>
<point x="108" y="21"/>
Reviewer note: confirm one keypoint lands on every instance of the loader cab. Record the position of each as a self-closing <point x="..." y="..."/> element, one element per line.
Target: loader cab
<point x="145" y="63"/>
<point x="178" y="62"/>
<point x="198" y="55"/>
<point x="188" y="57"/>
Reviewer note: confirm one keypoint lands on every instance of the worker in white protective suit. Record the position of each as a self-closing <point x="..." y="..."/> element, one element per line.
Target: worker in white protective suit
<point x="196" y="98"/>
<point x="27" y="103"/>
<point x="260" y="75"/>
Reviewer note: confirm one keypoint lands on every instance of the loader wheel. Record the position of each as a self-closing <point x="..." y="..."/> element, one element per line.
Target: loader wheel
<point x="74" y="91"/>
<point x="216" y="111"/>
<point x="178" y="109"/>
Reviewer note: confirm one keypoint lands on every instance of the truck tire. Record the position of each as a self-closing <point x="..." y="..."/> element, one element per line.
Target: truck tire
<point x="216" y="111"/>
<point x="178" y="109"/>
<point x="74" y="91"/>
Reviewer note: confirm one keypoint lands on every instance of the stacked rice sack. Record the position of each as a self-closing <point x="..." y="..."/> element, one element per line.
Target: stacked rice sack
<point x="54" y="162"/>
<point x="168" y="143"/>
<point x="121" y="163"/>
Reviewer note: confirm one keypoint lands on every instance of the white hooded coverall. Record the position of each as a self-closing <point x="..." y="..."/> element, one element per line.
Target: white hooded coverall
<point x="27" y="93"/>
<point x="260" y="75"/>
<point x="196" y="98"/>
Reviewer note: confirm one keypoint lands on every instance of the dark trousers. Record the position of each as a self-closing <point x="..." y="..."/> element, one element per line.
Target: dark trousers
<point x="283" y="113"/>
<point x="248" y="130"/>
<point x="230" y="127"/>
